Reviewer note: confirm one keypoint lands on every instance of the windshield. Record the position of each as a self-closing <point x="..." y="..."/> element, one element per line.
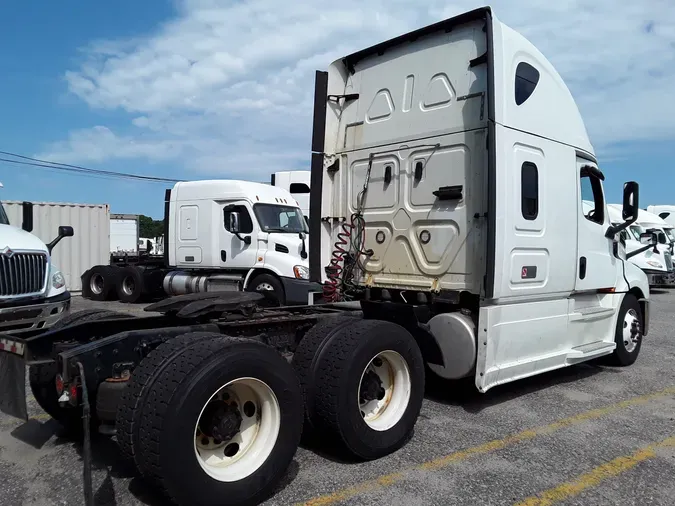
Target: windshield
<point x="636" y="230"/>
<point x="285" y="219"/>
<point x="3" y="216"/>
<point x="669" y="233"/>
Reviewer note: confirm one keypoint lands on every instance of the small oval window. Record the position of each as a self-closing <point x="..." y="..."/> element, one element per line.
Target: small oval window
<point x="527" y="78"/>
<point x="299" y="188"/>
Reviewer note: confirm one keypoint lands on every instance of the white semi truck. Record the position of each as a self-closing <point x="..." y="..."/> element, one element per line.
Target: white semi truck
<point x="297" y="183"/>
<point x="33" y="292"/>
<point x="665" y="212"/>
<point x="219" y="235"/>
<point x="449" y="167"/>
<point x="654" y="260"/>
<point x="664" y="230"/>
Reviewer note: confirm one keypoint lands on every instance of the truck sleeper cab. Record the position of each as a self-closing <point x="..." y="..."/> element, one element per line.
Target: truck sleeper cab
<point x="442" y="200"/>
<point x="297" y="183"/>
<point x="466" y="193"/>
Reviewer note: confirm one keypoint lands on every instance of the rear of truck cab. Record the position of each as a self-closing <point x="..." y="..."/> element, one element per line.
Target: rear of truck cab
<point x="459" y="153"/>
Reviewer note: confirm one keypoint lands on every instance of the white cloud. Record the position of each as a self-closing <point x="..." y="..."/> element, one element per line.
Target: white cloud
<point x="100" y="143"/>
<point x="228" y="89"/>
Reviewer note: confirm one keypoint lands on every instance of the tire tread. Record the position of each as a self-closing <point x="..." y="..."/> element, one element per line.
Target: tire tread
<point x="128" y="413"/>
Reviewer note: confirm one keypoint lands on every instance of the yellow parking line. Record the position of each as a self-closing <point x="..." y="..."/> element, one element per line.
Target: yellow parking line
<point x="595" y="476"/>
<point x="41" y="417"/>
<point x="390" y="479"/>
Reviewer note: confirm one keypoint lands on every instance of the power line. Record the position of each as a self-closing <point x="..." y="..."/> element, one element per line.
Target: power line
<point x="78" y="169"/>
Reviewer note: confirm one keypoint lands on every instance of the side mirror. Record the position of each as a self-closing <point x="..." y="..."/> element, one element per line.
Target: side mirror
<point x="631" y="197"/>
<point x="662" y="238"/>
<point x="64" y="231"/>
<point x="27" y="208"/>
<point x="648" y="238"/>
<point x="629" y="213"/>
<point x="234" y="224"/>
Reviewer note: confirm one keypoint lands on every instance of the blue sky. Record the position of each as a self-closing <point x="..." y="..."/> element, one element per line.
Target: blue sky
<point x="197" y="89"/>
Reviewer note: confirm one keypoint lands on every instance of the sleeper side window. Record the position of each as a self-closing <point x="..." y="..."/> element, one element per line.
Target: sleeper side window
<point x="245" y="222"/>
<point x="299" y="188"/>
<point x="592" y="199"/>
<point x="529" y="191"/>
<point x="527" y="78"/>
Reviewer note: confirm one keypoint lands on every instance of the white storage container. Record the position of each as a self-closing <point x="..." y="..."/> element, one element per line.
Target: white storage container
<point x="73" y="255"/>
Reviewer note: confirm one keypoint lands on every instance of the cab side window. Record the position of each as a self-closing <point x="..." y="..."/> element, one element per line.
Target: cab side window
<point x="245" y="221"/>
<point x="592" y="200"/>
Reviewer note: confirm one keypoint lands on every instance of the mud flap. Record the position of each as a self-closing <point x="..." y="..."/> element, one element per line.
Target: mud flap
<point x="13" y="385"/>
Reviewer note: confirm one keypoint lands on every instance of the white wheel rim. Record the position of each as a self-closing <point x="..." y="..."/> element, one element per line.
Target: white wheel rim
<point x="265" y="287"/>
<point x="243" y="453"/>
<point x="382" y="410"/>
<point x="631" y="330"/>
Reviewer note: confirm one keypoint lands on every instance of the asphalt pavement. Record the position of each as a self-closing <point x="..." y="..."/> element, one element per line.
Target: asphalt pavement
<point x="586" y="434"/>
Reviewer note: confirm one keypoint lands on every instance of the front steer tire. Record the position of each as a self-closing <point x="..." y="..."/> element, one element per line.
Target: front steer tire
<point x="42" y="378"/>
<point x="627" y="345"/>
<point x="167" y="454"/>
<point x="342" y="364"/>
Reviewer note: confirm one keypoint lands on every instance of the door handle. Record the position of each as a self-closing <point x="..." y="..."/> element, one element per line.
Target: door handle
<point x="582" y="267"/>
<point x="419" y="169"/>
<point x="449" y="192"/>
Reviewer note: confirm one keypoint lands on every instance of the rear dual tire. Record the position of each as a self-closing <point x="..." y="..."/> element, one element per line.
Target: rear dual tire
<point x="98" y="283"/>
<point x="213" y="388"/>
<point x="363" y="384"/>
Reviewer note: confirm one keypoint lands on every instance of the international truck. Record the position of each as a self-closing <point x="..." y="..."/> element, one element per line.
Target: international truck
<point x="449" y="168"/>
<point x="220" y="235"/>
<point x="33" y="293"/>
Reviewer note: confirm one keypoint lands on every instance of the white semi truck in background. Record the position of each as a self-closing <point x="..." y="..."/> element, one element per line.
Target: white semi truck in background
<point x="33" y="293"/>
<point x="297" y="183"/>
<point x="449" y="169"/>
<point x="219" y="235"/>
<point x="665" y="212"/>
<point x="663" y="229"/>
<point x="654" y="260"/>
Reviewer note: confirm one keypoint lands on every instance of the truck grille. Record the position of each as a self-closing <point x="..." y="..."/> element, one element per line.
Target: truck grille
<point x="669" y="260"/>
<point x="22" y="273"/>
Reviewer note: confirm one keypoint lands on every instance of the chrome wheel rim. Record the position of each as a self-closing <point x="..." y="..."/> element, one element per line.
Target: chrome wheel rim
<point x="631" y="330"/>
<point x="96" y="284"/>
<point x="128" y="285"/>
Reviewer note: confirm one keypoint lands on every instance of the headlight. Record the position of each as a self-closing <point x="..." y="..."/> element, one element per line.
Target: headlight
<point x="301" y="272"/>
<point x="58" y="281"/>
<point x="654" y="263"/>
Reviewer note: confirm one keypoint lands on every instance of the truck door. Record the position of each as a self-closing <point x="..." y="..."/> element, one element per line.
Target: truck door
<point x="596" y="263"/>
<point x="234" y="252"/>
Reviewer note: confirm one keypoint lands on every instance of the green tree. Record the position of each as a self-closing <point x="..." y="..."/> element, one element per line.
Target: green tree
<point x="147" y="227"/>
